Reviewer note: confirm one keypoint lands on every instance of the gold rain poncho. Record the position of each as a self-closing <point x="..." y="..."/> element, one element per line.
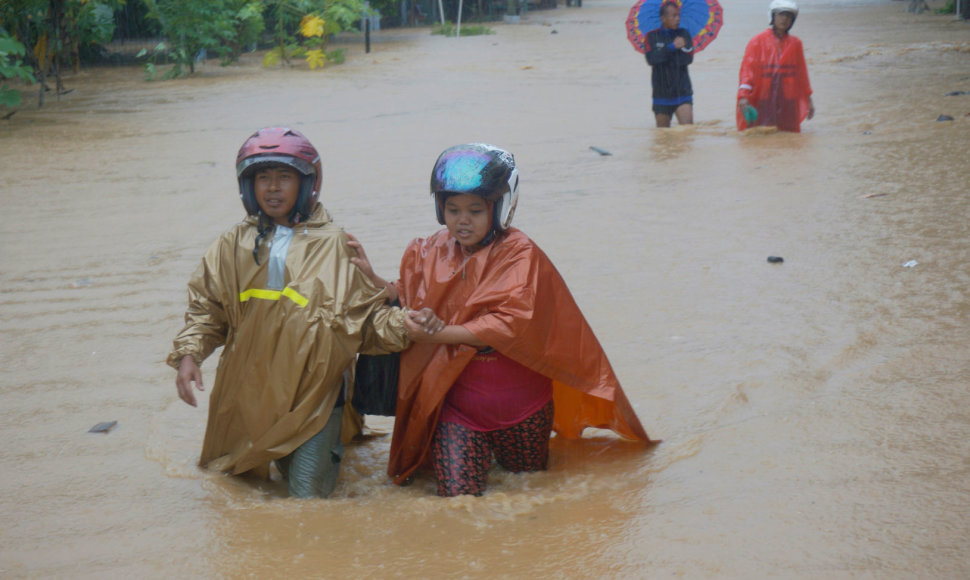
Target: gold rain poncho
<point x="287" y="344"/>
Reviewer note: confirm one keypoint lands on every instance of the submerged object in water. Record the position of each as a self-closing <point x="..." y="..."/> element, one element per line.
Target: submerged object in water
<point x="103" y="427"/>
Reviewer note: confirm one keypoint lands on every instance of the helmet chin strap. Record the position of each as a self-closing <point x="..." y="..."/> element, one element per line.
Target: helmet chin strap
<point x="496" y="230"/>
<point x="489" y="238"/>
<point x="306" y="197"/>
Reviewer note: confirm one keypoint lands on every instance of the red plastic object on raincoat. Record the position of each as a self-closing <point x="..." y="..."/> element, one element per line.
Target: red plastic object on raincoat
<point x="774" y="79"/>
<point x="510" y="296"/>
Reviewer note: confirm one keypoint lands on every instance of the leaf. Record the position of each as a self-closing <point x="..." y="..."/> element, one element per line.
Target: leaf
<point x="315" y="58"/>
<point x="272" y="58"/>
<point x="336" y="56"/>
<point x="10" y="46"/>
<point x="311" y="26"/>
<point x="9" y="97"/>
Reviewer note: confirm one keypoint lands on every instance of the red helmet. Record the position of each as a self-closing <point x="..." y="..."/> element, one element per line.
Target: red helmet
<point x="280" y="145"/>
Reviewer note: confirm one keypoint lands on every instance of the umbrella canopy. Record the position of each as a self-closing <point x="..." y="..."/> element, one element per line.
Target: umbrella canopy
<point x="701" y="18"/>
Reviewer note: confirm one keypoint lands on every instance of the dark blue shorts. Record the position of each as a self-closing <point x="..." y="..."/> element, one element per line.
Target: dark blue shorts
<point x="670" y="109"/>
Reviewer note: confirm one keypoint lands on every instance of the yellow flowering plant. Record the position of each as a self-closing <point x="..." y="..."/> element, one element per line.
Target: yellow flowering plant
<point x="319" y="21"/>
<point x="312" y="29"/>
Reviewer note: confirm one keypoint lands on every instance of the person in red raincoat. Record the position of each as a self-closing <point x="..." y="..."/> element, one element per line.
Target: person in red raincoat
<point x="774" y="89"/>
<point x="516" y="358"/>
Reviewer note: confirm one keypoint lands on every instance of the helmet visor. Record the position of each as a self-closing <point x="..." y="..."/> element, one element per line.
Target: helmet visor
<point x="249" y="164"/>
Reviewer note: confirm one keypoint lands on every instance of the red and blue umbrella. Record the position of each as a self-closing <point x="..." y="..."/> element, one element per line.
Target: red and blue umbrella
<point x="701" y="18"/>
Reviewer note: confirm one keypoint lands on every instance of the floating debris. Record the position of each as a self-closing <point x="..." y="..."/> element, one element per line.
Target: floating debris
<point x="955" y="93"/>
<point x="600" y="151"/>
<point x="103" y="427"/>
<point x="775" y="259"/>
<point x="910" y="264"/>
<point x="944" y="118"/>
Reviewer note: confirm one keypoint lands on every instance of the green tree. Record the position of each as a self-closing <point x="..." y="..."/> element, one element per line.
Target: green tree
<point x="12" y="67"/>
<point x="248" y="26"/>
<point x="88" y="24"/>
<point x="52" y="31"/>
<point x="225" y="27"/>
<point x="190" y="27"/>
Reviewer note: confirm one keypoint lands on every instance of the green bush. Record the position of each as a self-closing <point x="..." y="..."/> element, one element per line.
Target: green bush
<point x="191" y="26"/>
<point x="449" y="29"/>
<point x="12" y="67"/>
<point x="302" y="29"/>
<point x="248" y="26"/>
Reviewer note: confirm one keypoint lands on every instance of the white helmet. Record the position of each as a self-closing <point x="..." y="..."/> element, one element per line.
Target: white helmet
<point x="777" y="6"/>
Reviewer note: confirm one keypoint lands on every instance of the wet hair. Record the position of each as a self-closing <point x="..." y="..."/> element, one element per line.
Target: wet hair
<point x="665" y="5"/>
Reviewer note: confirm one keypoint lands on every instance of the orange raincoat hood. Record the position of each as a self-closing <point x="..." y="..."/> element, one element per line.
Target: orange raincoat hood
<point x="510" y="296"/>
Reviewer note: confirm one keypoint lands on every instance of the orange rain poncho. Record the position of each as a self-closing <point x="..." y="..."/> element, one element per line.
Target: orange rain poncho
<point x="510" y="296"/>
<point x="281" y="370"/>
<point x="774" y="79"/>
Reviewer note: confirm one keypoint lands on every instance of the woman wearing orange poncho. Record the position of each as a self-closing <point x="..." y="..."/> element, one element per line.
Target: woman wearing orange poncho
<point x="774" y="89"/>
<point x="516" y="358"/>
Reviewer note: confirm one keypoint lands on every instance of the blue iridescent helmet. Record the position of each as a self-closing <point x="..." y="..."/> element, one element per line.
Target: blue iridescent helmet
<point x="478" y="169"/>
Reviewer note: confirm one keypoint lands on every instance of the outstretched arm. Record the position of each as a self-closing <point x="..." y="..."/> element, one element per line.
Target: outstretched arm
<point x="362" y="262"/>
<point x="206" y="323"/>
<point x="450" y="334"/>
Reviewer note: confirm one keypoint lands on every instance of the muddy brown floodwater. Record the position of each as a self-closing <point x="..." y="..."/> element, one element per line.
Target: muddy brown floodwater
<point x="815" y="413"/>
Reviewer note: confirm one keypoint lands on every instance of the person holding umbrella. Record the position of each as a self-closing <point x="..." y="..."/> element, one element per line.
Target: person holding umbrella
<point x="669" y="51"/>
<point x="774" y="88"/>
<point x="677" y="30"/>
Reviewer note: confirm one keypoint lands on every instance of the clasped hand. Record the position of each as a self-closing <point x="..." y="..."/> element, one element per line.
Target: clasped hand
<point x="422" y="324"/>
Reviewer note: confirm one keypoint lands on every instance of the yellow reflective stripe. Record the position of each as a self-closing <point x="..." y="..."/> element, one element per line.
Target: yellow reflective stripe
<point x="273" y="295"/>
<point x="295" y="296"/>
<point x="261" y="294"/>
